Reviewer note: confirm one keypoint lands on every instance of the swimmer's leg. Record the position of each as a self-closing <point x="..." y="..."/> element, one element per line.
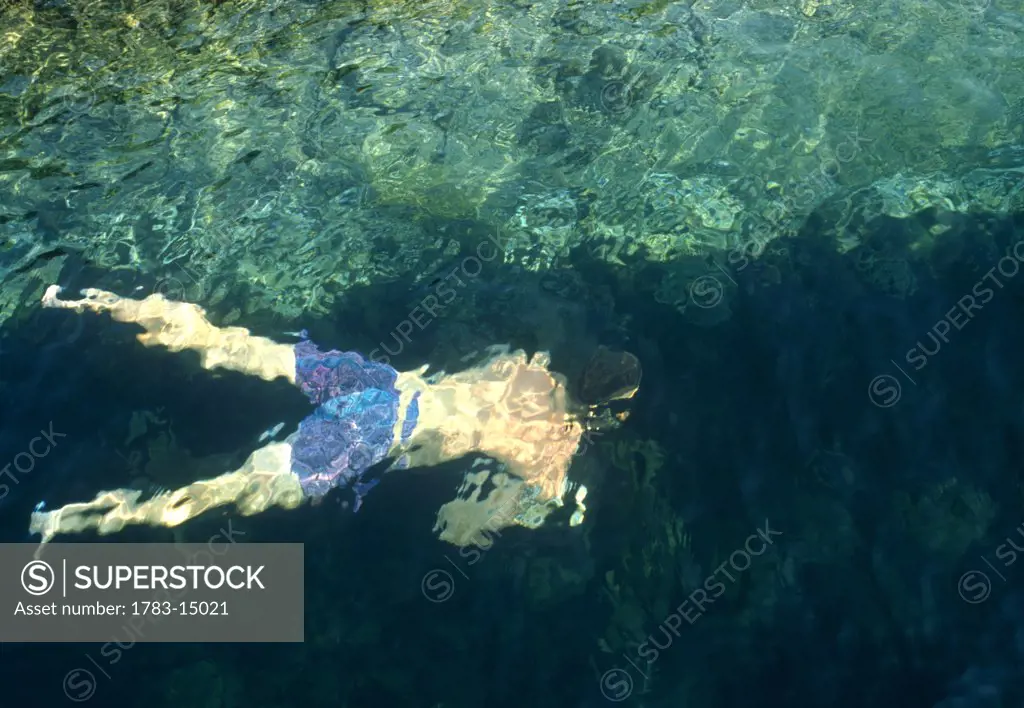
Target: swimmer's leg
<point x="180" y="325"/>
<point x="264" y="481"/>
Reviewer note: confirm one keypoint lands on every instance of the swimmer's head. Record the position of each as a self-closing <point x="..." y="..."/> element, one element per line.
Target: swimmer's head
<point x="609" y="376"/>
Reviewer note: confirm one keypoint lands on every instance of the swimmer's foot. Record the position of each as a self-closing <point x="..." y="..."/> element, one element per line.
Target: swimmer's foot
<point x="50" y="297"/>
<point x="182" y="325"/>
<point x="94" y="299"/>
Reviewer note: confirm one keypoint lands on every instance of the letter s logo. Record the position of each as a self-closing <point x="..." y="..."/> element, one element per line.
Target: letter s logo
<point x="37" y="577"/>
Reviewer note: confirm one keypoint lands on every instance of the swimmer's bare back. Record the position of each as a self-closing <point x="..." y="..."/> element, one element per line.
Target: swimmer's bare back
<point x="511" y="408"/>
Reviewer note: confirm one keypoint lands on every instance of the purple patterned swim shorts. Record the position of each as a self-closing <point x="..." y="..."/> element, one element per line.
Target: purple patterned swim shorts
<point x="353" y="427"/>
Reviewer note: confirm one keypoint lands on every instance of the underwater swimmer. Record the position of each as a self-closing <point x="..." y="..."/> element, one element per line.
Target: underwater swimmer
<point x="511" y="408"/>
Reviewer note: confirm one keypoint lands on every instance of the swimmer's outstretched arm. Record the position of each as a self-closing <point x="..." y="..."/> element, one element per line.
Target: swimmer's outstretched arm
<point x="264" y="481"/>
<point x="180" y="325"/>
